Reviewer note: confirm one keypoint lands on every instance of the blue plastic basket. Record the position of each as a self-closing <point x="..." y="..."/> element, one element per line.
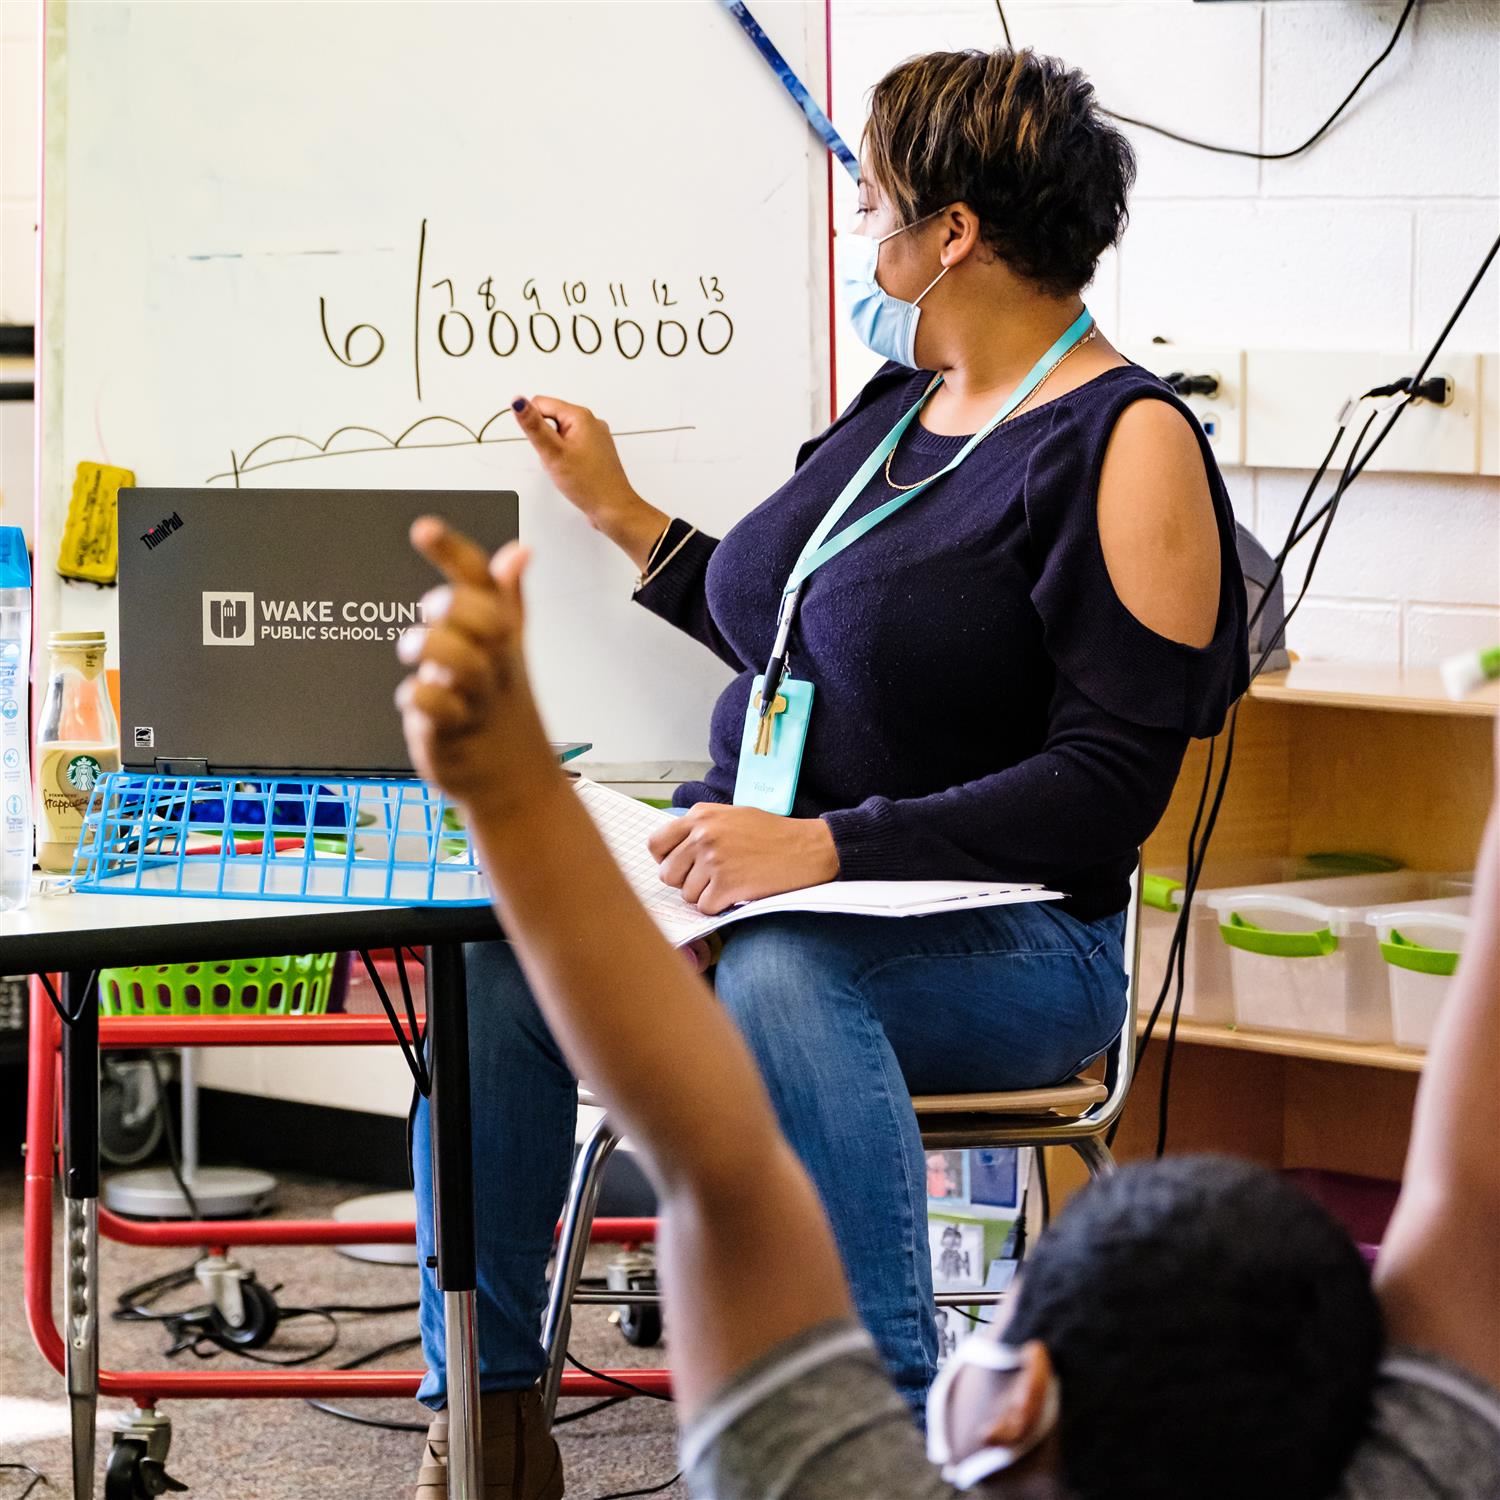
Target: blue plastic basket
<point x="359" y="842"/>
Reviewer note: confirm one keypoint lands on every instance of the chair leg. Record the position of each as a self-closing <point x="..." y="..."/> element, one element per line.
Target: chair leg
<point x="572" y="1246"/>
<point x="1095" y="1156"/>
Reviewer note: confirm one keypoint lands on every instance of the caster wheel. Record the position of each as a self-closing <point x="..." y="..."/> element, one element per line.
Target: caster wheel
<point x="130" y="1127"/>
<point x="133" y="1476"/>
<point x="261" y="1317"/>
<point x="640" y="1325"/>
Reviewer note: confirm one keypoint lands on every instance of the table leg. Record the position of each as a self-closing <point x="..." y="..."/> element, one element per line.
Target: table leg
<point x="453" y="1209"/>
<point x="80" y="1082"/>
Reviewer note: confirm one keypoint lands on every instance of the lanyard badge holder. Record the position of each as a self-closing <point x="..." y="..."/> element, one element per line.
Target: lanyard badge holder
<point x="780" y="707"/>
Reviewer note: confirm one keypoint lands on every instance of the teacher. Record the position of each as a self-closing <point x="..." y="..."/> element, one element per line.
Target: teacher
<point x="994" y="600"/>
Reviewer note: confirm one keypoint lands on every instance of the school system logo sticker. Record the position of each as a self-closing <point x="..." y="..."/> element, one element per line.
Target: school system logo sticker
<point x="228" y="619"/>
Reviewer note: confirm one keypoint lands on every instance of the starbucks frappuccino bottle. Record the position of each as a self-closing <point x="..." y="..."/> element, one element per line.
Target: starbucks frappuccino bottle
<point x="77" y="741"/>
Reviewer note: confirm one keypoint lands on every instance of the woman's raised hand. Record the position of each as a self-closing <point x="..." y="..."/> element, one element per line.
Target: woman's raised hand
<point x="581" y="459"/>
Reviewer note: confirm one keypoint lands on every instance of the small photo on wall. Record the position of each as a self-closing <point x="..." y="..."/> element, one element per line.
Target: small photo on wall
<point x="951" y="1327"/>
<point x="945" y="1175"/>
<point x="957" y="1251"/>
<point x="994" y="1177"/>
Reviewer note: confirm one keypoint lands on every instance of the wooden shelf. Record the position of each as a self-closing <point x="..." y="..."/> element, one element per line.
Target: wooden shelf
<point x="1277" y="1044"/>
<point x="1343" y="685"/>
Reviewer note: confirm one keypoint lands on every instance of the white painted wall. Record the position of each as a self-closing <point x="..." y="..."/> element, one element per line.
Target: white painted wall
<point x="1365" y="242"/>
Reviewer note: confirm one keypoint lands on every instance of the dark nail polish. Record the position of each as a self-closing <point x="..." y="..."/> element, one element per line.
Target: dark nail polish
<point x="519" y="404"/>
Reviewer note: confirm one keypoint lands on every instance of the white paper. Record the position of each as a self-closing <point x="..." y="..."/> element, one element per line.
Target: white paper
<point x="627" y="825"/>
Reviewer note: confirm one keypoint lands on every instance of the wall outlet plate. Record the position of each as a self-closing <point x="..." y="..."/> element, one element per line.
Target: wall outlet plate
<point x="1295" y="397"/>
<point x="1222" y="415"/>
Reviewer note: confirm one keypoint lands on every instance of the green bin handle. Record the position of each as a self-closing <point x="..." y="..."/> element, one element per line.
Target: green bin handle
<point x="1240" y="933"/>
<point x="1161" y="891"/>
<point x="1402" y="953"/>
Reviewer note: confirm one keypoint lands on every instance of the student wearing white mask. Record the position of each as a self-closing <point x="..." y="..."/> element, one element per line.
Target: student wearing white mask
<point x="1189" y="1329"/>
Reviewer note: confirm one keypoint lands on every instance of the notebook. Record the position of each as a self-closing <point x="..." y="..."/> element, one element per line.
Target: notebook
<point x="627" y="824"/>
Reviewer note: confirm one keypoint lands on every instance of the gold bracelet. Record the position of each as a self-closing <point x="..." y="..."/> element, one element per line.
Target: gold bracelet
<point x="656" y="547"/>
<point x="644" y="578"/>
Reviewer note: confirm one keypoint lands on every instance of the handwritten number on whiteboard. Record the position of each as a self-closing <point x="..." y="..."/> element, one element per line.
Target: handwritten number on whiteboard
<point x="347" y="357"/>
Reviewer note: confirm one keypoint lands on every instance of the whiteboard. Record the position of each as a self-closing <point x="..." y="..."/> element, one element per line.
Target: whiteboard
<point x="324" y="245"/>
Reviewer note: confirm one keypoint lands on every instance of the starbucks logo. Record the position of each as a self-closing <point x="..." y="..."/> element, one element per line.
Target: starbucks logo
<point x="83" y="773"/>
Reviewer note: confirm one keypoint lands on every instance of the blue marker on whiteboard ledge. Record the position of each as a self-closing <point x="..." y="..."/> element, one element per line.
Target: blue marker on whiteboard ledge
<point x="1462" y="674"/>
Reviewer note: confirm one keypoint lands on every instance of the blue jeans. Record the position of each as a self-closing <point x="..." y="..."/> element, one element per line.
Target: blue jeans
<point x="847" y="1017"/>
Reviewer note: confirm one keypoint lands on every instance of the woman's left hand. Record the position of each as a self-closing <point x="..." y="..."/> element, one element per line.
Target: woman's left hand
<point x="718" y="855"/>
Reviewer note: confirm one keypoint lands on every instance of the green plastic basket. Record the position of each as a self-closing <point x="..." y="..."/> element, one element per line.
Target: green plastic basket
<point x="288" y="986"/>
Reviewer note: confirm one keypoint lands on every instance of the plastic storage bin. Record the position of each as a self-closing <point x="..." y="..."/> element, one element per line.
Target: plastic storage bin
<point x="1208" y="993"/>
<point x="1302" y="957"/>
<point x="1420" y="943"/>
<point x="289" y="986"/>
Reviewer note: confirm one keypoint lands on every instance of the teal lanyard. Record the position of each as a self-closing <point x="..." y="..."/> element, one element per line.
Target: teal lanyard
<point x="822" y="546"/>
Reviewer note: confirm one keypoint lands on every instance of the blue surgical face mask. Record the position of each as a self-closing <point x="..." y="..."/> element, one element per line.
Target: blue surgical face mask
<point x="883" y="323"/>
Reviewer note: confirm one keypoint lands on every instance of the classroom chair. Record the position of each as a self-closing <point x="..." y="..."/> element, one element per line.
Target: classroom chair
<point x="1077" y="1114"/>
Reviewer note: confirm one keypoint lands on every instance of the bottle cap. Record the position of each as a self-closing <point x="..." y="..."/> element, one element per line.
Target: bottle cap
<point x="75" y="639"/>
<point x="15" y="566"/>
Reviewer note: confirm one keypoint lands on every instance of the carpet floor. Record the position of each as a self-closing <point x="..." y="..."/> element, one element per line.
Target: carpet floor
<point x="283" y="1450"/>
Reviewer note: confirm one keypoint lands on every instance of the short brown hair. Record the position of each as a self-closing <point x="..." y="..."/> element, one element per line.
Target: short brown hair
<point x="1021" y="140"/>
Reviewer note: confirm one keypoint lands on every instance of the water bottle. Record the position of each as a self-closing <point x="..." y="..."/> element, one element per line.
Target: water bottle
<point x="15" y="729"/>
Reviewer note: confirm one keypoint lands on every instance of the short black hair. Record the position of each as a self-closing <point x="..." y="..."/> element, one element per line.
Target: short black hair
<point x="1019" y="137"/>
<point x="1214" y="1333"/>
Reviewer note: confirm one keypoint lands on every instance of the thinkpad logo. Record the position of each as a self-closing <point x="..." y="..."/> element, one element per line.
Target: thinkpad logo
<point x="228" y="619"/>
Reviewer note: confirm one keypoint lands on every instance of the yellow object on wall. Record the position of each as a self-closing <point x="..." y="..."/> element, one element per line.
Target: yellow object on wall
<point x="90" y="546"/>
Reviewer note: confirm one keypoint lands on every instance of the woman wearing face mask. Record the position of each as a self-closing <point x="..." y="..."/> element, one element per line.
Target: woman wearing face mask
<point x="993" y="602"/>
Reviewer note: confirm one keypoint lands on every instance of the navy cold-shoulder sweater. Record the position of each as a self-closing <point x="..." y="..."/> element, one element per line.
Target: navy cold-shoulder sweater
<point x="985" y="706"/>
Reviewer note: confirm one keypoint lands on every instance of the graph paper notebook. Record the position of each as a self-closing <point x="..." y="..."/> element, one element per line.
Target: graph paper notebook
<point x="626" y="825"/>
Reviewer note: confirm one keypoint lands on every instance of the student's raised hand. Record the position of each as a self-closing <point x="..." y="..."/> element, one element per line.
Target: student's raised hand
<point x="471" y="724"/>
<point x="718" y="856"/>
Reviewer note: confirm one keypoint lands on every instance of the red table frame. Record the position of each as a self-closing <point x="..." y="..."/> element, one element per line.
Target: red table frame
<point x="146" y="1387"/>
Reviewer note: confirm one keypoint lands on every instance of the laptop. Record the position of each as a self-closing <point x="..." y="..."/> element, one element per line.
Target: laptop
<point x="258" y="628"/>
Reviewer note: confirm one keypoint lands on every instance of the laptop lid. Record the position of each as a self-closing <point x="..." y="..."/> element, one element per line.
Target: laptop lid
<point x="258" y="628"/>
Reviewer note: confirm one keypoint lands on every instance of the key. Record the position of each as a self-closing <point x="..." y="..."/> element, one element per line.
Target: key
<point x="763" y="734"/>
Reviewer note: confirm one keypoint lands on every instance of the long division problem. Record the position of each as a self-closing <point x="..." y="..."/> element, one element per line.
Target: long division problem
<point x="661" y="320"/>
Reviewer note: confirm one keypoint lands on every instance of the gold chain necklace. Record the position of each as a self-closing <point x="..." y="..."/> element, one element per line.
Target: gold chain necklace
<point x="1021" y="407"/>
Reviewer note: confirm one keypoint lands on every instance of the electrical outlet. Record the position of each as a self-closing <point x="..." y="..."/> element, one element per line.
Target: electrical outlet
<point x="1221" y="415"/>
<point x="1295" y="398"/>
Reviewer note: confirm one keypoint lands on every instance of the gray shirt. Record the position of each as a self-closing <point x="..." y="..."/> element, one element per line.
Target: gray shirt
<point x="817" y="1419"/>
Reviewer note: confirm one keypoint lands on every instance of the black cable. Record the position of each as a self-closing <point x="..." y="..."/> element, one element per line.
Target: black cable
<point x="416" y="1064"/>
<point x="37" y="1477"/>
<point x="588" y="1411"/>
<point x="624" y="1385"/>
<point x="169" y="1130"/>
<point x="70" y="1018"/>
<point x="1043" y="1190"/>
<point x="655" y="1489"/>
<point x="1312" y="140"/>
<point x="359" y="1360"/>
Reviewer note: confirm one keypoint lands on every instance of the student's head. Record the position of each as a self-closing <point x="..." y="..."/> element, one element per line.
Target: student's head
<point x="1003" y="173"/>
<point x="1212" y="1332"/>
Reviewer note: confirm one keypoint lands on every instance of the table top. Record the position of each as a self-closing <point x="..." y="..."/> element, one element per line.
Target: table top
<point x="83" y="930"/>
